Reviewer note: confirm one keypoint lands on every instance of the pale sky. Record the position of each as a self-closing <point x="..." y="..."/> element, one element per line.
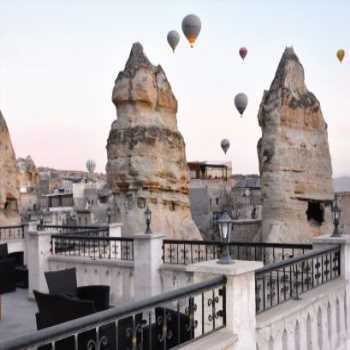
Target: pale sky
<point x="59" y="60"/>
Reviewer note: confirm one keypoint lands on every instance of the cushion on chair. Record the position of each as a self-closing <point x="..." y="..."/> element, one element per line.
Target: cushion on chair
<point x="17" y="257"/>
<point x="7" y="276"/>
<point x="55" y="309"/>
<point x="96" y="293"/>
<point x="3" y="251"/>
<point x="62" y="282"/>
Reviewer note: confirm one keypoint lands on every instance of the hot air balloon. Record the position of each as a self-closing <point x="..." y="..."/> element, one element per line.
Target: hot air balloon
<point x="191" y="27"/>
<point x="340" y="55"/>
<point x="225" y="145"/>
<point x="90" y="166"/>
<point x="241" y="102"/>
<point x="173" y="39"/>
<point x="243" y="52"/>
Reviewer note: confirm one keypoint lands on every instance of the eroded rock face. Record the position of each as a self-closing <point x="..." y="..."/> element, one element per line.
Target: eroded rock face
<point x="9" y="194"/>
<point x="294" y="158"/>
<point x="28" y="181"/>
<point x="28" y="175"/>
<point x="146" y="153"/>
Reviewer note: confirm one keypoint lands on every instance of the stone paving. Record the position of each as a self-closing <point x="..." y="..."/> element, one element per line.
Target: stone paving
<point x="18" y="315"/>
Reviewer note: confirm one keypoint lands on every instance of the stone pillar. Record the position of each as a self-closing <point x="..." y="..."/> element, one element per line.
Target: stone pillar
<point x="38" y="251"/>
<point x="240" y="296"/>
<point x="115" y="229"/>
<point x="344" y="242"/>
<point x="25" y="237"/>
<point x="148" y="259"/>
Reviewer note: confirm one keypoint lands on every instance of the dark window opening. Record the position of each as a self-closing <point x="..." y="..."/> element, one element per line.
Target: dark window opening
<point x="315" y="213"/>
<point x="10" y="204"/>
<point x="141" y="203"/>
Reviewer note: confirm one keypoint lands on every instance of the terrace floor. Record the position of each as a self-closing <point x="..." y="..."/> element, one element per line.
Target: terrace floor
<point x="18" y="315"/>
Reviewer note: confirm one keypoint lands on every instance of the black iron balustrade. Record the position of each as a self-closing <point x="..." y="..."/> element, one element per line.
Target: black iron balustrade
<point x="285" y="280"/>
<point x="8" y="233"/>
<point x="160" y="322"/>
<point x="113" y="248"/>
<point x="189" y="252"/>
<point x="100" y="231"/>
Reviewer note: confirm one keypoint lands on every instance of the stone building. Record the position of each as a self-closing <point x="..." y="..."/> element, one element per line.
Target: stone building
<point x="294" y="158"/>
<point x="214" y="189"/>
<point x="246" y="197"/>
<point x="9" y="193"/>
<point x="29" y="180"/>
<point x="82" y="202"/>
<point x="146" y="153"/>
<point x="210" y="188"/>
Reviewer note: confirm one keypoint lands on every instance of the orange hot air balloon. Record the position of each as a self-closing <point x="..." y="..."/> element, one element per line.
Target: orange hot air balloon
<point x="191" y="27"/>
<point x="341" y="55"/>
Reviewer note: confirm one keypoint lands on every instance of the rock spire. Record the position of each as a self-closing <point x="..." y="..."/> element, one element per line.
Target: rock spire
<point x="294" y="158"/>
<point x="9" y="193"/>
<point x="146" y="152"/>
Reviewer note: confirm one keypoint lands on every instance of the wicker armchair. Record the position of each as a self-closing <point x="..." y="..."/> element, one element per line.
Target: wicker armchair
<point x="64" y="282"/>
<point x="56" y="309"/>
<point x="7" y="275"/>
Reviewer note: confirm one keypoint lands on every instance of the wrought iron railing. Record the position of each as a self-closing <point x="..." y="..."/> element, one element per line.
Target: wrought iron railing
<point x="161" y="322"/>
<point x="100" y="231"/>
<point x="285" y="280"/>
<point x="8" y="233"/>
<point x="189" y="252"/>
<point x="113" y="248"/>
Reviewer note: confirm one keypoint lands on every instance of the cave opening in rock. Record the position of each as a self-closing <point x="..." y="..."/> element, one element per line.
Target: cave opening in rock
<point x="315" y="213"/>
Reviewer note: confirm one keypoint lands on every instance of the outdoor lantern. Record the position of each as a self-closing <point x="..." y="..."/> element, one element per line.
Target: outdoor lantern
<point x="336" y="214"/>
<point x="148" y="217"/>
<point x="247" y="192"/>
<point x="109" y="214"/>
<point x="225" y="224"/>
<point x="29" y="214"/>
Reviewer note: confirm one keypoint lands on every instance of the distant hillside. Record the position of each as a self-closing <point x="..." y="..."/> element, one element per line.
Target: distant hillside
<point x="342" y="184"/>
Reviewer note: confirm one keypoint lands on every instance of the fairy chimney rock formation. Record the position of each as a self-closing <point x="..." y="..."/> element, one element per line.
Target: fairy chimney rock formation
<point x="146" y="153"/>
<point x="294" y="158"/>
<point x="9" y="194"/>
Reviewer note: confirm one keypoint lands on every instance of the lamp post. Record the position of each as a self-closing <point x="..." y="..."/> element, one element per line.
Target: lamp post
<point x="336" y="214"/>
<point x="29" y="214"/>
<point x="41" y="221"/>
<point x="109" y="214"/>
<point x="225" y="224"/>
<point x="246" y="193"/>
<point x="148" y="218"/>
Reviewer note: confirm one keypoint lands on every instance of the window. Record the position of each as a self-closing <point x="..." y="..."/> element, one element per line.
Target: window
<point x="315" y="213"/>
